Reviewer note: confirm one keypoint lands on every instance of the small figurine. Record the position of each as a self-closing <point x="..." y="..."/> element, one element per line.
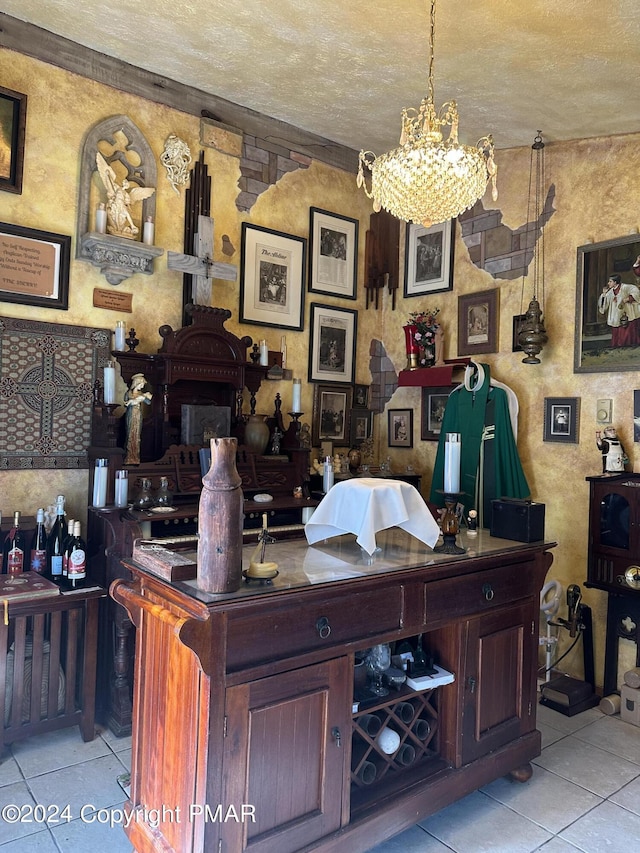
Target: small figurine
<point x="275" y="442"/>
<point x="614" y="457"/>
<point x="472" y="522"/>
<point x="137" y="394"/>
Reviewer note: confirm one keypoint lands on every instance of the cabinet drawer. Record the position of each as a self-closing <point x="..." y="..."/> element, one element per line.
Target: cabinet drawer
<point x="468" y="594"/>
<point x="270" y="632"/>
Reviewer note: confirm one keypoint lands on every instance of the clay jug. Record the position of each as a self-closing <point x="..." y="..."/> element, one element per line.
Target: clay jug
<point x="256" y="433"/>
<point x="220" y="518"/>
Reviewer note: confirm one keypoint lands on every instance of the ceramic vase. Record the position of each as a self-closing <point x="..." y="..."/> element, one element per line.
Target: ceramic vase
<point x="256" y="433"/>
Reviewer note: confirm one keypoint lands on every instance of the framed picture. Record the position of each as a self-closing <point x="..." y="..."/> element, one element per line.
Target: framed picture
<point x="561" y="419"/>
<point x="13" y="119"/>
<point x="333" y="344"/>
<point x="333" y="254"/>
<point x="607" y="311"/>
<point x="428" y="258"/>
<point x="360" y="396"/>
<point x="478" y="322"/>
<point x="518" y="320"/>
<point x="361" y="426"/>
<point x="434" y="401"/>
<point x="331" y="407"/>
<point x="34" y="267"/>
<point x="400" y="427"/>
<point x="272" y="278"/>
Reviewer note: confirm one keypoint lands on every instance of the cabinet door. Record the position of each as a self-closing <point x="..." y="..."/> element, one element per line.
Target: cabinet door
<point x="285" y="756"/>
<point x="499" y="682"/>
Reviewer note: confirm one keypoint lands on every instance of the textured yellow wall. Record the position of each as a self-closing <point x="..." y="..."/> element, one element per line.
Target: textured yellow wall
<point x="593" y="202"/>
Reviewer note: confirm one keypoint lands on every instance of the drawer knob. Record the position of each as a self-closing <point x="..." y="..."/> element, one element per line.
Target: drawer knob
<point x="487" y="591"/>
<point x="323" y="628"/>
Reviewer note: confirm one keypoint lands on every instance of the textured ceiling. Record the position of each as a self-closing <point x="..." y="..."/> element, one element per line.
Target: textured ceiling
<point x="344" y="69"/>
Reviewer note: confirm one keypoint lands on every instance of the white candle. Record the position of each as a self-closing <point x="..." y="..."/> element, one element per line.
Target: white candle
<point x="121" y="487"/>
<point x="120" y="335"/>
<point x="283" y="350"/>
<point x="452" y="463"/>
<point x="109" y="384"/>
<point x="296" y="404"/>
<point x="100" y="483"/>
<point x="148" y="231"/>
<point x="264" y="354"/>
<point x="101" y="219"/>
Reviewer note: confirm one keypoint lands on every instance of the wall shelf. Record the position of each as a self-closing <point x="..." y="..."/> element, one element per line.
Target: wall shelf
<point x="430" y="377"/>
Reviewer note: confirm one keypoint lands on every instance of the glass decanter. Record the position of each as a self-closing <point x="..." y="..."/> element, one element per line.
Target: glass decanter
<point x="144" y="498"/>
<point x="164" y="497"/>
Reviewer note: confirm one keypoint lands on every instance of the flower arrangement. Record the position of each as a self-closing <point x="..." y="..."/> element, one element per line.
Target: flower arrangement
<point x="425" y="335"/>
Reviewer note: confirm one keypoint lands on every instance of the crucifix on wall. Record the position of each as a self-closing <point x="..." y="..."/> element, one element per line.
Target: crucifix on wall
<point x="201" y="265"/>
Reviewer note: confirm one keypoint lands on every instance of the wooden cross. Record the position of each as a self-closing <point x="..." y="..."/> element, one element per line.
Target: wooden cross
<point x="201" y="263"/>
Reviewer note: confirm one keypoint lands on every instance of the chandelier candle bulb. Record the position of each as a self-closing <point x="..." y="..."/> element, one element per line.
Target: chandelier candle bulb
<point x="148" y="231"/>
<point x="109" y="384"/>
<point x="101" y="218"/>
<point x="120" y="336"/>
<point x="264" y="354"/>
<point x="296" y="404"/>
<point x="452" y="463"/>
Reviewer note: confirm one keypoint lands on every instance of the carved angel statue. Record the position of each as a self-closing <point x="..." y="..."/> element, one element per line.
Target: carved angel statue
<point x="120" y="198"/>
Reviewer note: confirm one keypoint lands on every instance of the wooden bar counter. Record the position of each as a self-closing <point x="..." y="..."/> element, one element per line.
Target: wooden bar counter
<point x="246" y="735"/>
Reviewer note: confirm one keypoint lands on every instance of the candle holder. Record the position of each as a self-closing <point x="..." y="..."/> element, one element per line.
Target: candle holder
<point x="450" y="525"/>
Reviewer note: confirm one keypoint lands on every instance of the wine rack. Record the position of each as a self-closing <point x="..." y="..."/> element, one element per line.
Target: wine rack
<point x="414" y="719"/>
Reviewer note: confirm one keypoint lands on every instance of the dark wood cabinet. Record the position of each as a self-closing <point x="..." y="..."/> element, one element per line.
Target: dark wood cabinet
<point x="614" y="532"/>
<point x="247" y="698"/>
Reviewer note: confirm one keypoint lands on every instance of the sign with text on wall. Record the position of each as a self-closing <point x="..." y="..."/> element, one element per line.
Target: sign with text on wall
<point x="112" y="300"/>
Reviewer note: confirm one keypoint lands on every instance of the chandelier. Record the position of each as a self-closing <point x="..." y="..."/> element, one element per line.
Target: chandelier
<point x="428" y="179"/>
<point x="532" y="335"/>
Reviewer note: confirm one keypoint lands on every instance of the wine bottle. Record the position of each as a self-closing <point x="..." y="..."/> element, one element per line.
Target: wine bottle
<point x="76" y="559"/>
<point x="38" y="550"/>
<point x="14" y="549"/>
<point x="55" y="543"/>
<point x="65" y="544"/>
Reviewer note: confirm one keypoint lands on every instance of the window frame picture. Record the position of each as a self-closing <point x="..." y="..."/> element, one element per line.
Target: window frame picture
<point x="360" y="426"/>
<point x="340" y="396"/>
<point x="483" y="307"/>
<point x="595" y="263"/>
<point x="569" y="409"/>
<point x="333" y="253"/>
<point x="13" y="122"/>
<point x="432" y="397"/>
<point x="423" y="274"/>
<point x="394" y="417"/>
<point x="265" y="254"/>
<point x="332" y="344"/>
<point x="37" y="272"/>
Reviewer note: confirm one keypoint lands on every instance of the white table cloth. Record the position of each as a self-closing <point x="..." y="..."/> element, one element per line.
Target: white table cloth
<point x="365" y="505"/>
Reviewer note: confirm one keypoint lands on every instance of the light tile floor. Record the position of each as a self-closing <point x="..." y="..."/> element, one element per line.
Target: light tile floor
<point x="584" y="796"/>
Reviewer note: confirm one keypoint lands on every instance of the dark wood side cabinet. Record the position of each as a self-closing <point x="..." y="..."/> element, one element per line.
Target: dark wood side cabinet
<point x="614" y="563"/>
<point x="243" y="703"/>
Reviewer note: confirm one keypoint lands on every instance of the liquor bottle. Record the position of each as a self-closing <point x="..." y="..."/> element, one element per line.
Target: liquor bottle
<point x="65" y="544"/>
<point x="14" y="549"/>
<point x="55" y="543"/>
<point x="76" y="558"/>
<point x="38" y="550"/>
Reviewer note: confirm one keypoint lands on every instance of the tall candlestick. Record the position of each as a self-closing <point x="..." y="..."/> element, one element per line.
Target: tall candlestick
<point x="296" y="404"/>
<point x="452" y="463"/>
<point x="264" y="354"/>
<point x="109" y="384"/>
